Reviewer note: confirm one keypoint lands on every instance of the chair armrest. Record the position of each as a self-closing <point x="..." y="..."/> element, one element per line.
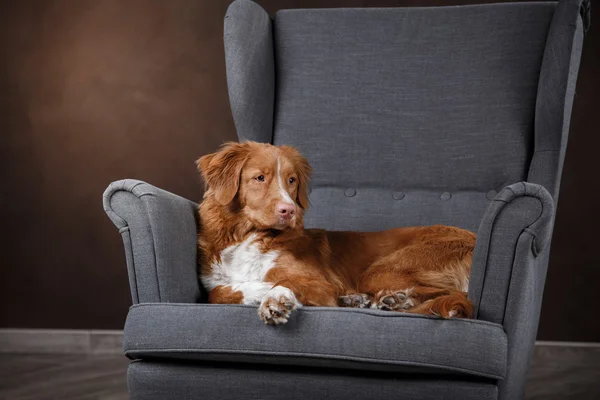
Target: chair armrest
<point x="513" y="234"/>
<point x="159" y="233"/>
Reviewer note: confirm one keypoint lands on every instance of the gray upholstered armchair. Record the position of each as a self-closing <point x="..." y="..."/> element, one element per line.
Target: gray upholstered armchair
<point x="409" y="116"/>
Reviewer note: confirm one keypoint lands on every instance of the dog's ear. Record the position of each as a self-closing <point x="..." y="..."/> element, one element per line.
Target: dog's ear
<point x="303" y="170"/>
<point x="221" y="170"/>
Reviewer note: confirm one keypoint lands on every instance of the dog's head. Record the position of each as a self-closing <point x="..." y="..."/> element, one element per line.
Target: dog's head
<point x="265" y="184"/>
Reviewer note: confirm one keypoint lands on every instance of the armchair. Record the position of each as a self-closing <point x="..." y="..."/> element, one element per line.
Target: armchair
<point x="409" y="116"/>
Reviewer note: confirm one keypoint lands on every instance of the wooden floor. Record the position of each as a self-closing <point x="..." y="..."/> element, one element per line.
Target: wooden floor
<point x="62" y="377"/>
<point x="559" y="373"/>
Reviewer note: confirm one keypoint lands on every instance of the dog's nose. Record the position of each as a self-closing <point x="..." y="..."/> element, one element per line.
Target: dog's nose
<point x="286" y="210"/>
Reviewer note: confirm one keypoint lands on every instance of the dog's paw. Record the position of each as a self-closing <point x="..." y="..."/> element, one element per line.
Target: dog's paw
<point x="395" y="300"/>
<point x="276" y="305"/>
<point x="355" y="300"/>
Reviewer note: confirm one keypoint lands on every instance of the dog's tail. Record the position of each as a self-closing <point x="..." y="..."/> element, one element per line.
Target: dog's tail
<point x="455" y="304"/>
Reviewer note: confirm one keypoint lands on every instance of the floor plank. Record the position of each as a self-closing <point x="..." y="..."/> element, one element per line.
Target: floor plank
<point x="558" y="373"/>
<point x="67" y="377"/>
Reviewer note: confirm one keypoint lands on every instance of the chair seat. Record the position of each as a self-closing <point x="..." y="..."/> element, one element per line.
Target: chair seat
<point x="317" y="337"/>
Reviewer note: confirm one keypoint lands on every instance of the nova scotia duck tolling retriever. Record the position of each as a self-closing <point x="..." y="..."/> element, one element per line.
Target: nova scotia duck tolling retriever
<point x="254" y="248"/>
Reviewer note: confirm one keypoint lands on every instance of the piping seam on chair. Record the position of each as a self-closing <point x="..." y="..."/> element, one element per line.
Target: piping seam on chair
<point x="139" y="196"/>
<point x="135" y="189"/>
<point x="136" y="185"/>
<point x="126" y="231"/>
<point x="489" y="245"/>
<point x="534" y="247"/>
<point x="114" y="188"/>
<point x="512" y="270"/>
<point x="370" y="313"/>
<point x="153" y="250"/>
<point x="323" y="356"/>
<point x="487" y="256"/>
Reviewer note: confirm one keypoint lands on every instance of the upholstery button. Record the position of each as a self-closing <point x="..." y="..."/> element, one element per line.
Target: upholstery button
<point x="350" y="192"/>
<point x="491" y="194"/>
<point x="445" y="196"/>
<point x="398" y="195"/>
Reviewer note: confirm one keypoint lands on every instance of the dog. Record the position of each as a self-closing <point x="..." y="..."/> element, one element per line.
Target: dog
<point x="253" y="248"/>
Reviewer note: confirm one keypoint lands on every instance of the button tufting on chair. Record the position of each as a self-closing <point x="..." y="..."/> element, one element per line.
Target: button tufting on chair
<point x="446" y="196"/>
<point x="350" y="192"/>
<point x="398" y="195"/>
<point x="491" y="194"/>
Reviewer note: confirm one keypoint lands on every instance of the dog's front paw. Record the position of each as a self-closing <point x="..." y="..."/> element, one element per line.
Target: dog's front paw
<point x="277" y="305"/>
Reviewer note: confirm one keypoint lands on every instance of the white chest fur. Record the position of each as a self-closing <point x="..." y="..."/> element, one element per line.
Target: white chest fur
<point x="243" y="268"/>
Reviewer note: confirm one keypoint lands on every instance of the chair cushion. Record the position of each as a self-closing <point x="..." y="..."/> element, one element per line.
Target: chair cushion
<point x="319" y="337"/>
<point x="436" y="98"/>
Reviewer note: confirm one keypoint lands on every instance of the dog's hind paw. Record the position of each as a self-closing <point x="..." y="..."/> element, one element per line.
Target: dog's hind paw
<point x="395" y="300"/>
<point x="355" y="300"/>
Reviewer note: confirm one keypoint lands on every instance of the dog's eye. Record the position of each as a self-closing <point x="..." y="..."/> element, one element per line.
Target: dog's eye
<point x="292" y="180"/>
<point x="260" y="178"/>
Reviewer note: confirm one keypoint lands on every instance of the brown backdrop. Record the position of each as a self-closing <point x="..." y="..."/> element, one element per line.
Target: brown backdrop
<point x="95" y="91"/>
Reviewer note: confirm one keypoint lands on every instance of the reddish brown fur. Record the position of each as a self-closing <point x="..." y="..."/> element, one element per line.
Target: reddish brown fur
<point x="225" y="295"/>
<point x="320" y="266"/>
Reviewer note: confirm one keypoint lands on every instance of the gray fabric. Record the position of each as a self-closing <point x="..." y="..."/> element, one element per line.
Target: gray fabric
<point x="509" y="270"/>
<point x="170" y="381"/>
<point x="556" y="90"/>
<point x="365" y="339"/>
<point x="250" y="71"/>
<point x="519" y="208"/>
<point x="373" y="209"/>
<point x="159" y="233"/>
<point x="554" y="103"/>
<point x="522" y="314"/>
<point x="410" y="98"/>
